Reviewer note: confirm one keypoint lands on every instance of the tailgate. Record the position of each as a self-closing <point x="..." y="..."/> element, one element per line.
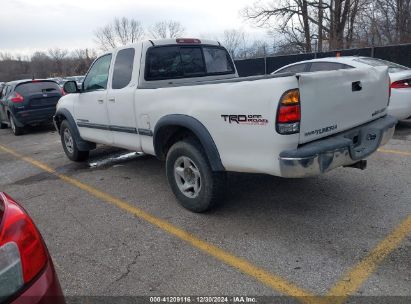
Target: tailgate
<point x="335" y="101"/>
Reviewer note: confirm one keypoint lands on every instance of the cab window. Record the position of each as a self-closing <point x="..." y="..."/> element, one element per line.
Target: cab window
<point x="172" y="62"/>
<point x="217" y="60"/>
<point x="192" y="60"/>
<point x="164" y="63"/>
<point x="123" y="68"/>
<point x="97" y="76"/>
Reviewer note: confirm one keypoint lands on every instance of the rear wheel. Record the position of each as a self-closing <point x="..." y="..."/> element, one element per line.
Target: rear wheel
<point x="14" y="128"/>
<point x="189" y="174"/>
<point x="69" y="144"/>
<point x="3" y="125"/>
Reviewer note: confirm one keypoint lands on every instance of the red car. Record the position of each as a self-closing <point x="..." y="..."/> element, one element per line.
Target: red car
<point x="27" y="273"/>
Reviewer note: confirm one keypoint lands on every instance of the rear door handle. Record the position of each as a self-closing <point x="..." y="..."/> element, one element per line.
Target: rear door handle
<point x="100" y="100"/>
<point x="356" y="86"/>
<point x="112" y="99"/>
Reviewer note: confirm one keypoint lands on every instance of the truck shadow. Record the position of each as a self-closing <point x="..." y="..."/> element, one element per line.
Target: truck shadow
<point x="255" y="193"/>
<point x="39" y="129"/>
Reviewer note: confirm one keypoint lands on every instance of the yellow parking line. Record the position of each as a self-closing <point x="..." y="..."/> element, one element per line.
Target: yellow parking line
<point x="353" y="279"/>
<point x="274" y="281"/>
<point x="395" y="152"/>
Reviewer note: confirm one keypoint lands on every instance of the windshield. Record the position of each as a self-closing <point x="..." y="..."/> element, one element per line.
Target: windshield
<point x="392" y="67"/>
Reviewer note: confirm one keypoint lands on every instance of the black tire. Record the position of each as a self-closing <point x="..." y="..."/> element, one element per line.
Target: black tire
<point x="3" y="125"/>
<point x="14" y="128"/>
<point x="212" y="184"/>
<point x="72" y="152"/>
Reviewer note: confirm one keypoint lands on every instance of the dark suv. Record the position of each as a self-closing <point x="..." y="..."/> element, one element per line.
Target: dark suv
<point x="28" y="102"/>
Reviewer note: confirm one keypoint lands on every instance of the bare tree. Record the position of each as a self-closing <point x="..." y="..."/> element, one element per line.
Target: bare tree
<point x="5" y="56"/>
<point x="290" y="18"/>
<point x="41" y="65"/>
<point x="393" y="20"/>
<point x="81" y="60"/>
<point x="259" y="48"/>
<point x="121" y="31"/>
<point x="104" y="37"/>
<point x="167" y="29"/>
<point x="235" y="42"/>
<point x="57" y="55"/>
<point x="52" y="63"/>
<point x="320" y="26"/>
<point x="381" y="22"/>
<point x="296" y="20"/>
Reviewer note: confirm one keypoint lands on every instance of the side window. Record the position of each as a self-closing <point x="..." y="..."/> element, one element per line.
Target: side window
<point x="297" y="68"/>
<point x="97" y="76"/>
<point x="163" y="63"/>
<point x="123" y="68"/>
<point x="327" y="66"/>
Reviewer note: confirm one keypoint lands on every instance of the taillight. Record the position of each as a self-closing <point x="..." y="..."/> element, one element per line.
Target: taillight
<point x="63" y="92"/>
<point x="401" y="84"/>
<point x="18" y="228"/>
<point x="16" y="98"/>
<point x="289" y="113"/>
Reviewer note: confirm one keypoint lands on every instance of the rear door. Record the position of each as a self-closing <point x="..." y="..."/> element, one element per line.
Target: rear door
<point x="120" y="99"/>
<point x="335" y="101"/>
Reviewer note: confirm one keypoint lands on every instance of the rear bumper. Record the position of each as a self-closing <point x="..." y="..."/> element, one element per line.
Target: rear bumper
<point x="342" y="149"/>
<point x="34" y="116"/>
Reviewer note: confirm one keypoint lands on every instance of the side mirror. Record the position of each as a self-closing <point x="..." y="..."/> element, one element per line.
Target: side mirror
<point x="70" y="87"/>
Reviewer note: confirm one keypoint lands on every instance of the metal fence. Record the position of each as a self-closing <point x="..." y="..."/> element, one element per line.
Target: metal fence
<point x="400" y="54"/>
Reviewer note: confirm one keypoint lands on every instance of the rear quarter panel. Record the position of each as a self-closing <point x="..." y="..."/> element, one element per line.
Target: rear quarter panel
<point x="243" y="147"/>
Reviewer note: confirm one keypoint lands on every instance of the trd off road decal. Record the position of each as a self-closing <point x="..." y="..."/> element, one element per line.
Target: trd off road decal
<point x="245" y="119"/>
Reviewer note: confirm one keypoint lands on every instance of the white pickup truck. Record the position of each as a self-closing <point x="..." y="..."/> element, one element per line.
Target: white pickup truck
<point x="182" y="101"/>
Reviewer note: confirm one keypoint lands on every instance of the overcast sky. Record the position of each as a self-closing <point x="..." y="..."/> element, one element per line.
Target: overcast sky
<point x="30" y="25"/>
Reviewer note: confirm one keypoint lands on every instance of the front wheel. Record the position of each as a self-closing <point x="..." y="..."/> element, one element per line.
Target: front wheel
<point x="189" y="174"/>
<point x="69" y="144"/>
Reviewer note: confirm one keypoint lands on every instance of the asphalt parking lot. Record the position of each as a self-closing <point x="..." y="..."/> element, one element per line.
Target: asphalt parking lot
<point x="113" y="226"/>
